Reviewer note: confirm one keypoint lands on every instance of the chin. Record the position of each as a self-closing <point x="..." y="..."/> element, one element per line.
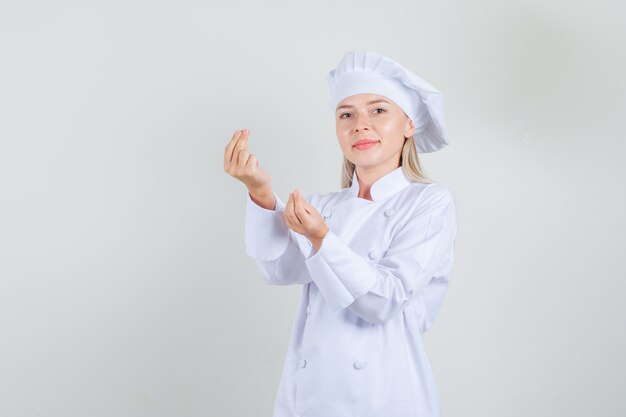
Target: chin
<point x="366" y="163"/>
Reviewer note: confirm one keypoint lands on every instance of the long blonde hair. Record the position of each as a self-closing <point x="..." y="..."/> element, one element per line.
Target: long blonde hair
<point x="409" y="160"/>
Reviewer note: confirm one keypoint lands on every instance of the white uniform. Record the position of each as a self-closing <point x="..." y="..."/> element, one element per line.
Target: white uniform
<point x="375" y="285"/>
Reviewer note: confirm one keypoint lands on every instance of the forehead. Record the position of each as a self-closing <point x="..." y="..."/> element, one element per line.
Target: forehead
<point x="363" y="99"/>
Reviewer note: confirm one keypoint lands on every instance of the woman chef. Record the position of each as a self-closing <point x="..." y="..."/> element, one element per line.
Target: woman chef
<point x="374" y="259"/>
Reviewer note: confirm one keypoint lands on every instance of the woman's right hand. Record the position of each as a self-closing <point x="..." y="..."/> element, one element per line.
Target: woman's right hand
<point x="241" y="164"/>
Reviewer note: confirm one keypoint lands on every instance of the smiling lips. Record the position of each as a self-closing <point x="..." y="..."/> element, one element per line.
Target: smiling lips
<point x="362" y="144"/>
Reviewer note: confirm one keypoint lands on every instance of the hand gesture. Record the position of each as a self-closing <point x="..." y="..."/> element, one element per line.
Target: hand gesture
<point x="241" y="164"/>
<point x="303" y="218"/>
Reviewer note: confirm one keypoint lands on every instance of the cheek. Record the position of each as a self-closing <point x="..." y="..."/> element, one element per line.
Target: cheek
<point x="344" y="145"/>
<point x="342" y="127"/>
<point x="343" y="134"/>
<point x="391" y="130"/>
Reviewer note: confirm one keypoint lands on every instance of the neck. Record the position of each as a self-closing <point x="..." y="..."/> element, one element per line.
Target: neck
<point x="366" y="176"/>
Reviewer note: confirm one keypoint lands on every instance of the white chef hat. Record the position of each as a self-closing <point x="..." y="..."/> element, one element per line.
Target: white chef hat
<point x="369" y="72"/>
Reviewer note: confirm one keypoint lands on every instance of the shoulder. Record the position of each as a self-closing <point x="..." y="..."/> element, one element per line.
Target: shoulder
<point x="438" y="191"/>
<point x="422" y="198"/>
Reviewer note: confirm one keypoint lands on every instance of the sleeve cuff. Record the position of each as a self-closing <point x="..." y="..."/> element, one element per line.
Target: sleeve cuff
<point x="266" y="233"/>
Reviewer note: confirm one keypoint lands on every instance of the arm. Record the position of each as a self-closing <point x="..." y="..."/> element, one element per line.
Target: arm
<point x="273" y="246"/>
<point x="378" y="291"/>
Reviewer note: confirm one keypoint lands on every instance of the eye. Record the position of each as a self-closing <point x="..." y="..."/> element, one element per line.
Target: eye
<point x="379" y="108"/>
<point x="341" y="115"/>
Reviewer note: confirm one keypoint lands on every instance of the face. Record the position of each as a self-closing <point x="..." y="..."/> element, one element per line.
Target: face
<point x="372" y="117"/>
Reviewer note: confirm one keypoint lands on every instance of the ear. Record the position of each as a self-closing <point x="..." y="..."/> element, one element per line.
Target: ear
<point x="409" y="129"/>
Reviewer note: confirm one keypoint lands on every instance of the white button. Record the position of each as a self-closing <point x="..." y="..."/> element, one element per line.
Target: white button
<point x="389" y="212"/>
<point x="302" y="363"/>
<point x="308" y="309"/>
<point x="373" y="254"/>
<point x="327" y="213"/>
<point x="359" y="364"/>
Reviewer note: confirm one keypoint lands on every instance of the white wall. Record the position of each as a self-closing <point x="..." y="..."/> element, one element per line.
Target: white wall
<point x="124" y="285"/>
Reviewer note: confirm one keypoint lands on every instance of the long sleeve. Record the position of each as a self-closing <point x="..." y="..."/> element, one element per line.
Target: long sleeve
<point x="276" y="249"/>
<point x="377" y="291"/>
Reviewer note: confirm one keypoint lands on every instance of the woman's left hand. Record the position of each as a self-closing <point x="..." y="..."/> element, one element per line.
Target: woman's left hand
<point x="303" y="218"/>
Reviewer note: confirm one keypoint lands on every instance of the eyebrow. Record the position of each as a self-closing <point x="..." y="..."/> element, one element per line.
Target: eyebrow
<point x="380" y="100"/>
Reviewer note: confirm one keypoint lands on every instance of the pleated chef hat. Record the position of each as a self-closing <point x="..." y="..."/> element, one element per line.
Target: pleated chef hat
<point x="369" y="72"/>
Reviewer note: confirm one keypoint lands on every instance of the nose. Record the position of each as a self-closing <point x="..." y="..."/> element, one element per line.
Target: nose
<point x="362" y="121"/>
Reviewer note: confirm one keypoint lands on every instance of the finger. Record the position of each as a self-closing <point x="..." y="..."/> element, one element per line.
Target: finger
<point x="302" y="202"/>
<point x="288" y="205"/>
<point x="243" y="157"/>
<point x="252" y="161"/>
<point x="228" y="152"/>
<point x="296" y="206"/>
<point x="242" y="144"/>
<point x="236" y="134"/>
<point x="288" y="212"/>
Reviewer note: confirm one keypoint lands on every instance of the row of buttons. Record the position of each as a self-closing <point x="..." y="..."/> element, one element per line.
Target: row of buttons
<point x="328" y="212"/>
<point x="357" y="364"/>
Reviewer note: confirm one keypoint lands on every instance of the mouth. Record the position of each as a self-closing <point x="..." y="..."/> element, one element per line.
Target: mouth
<point x="365" y="144"/>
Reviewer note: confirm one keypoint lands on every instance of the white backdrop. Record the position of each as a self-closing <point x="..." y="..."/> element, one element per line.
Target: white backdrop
<point x="124" y="285"/>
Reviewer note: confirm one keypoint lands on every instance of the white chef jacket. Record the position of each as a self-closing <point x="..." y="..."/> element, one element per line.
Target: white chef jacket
<point x="375" y="285"/>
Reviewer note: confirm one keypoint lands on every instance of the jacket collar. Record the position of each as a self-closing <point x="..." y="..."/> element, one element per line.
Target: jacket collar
<point x="385" y="186"/>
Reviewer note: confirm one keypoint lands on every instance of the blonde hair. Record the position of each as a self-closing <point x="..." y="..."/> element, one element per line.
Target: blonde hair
<point x="409" y="161"/>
